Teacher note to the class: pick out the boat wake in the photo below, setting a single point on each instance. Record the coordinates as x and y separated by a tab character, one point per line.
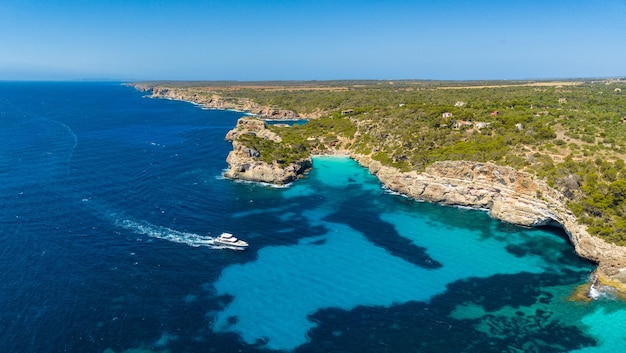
165	233
45	156
122	220
191	239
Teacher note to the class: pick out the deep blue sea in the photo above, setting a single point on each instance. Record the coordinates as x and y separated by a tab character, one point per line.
106	198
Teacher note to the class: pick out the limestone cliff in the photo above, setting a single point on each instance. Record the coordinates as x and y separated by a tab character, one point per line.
252	126
511	196
214	101
244	163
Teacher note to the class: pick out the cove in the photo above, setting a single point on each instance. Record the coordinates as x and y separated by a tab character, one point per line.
350	265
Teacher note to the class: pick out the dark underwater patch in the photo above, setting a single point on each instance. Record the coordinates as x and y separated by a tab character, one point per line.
364	217
497	291
430	327
551	248
298	226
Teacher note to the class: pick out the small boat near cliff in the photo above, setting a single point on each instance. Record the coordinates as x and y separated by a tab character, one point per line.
230	241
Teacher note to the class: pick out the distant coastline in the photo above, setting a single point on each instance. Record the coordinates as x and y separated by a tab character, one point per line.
215	101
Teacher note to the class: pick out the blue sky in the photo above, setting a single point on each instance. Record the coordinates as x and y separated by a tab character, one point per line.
311	40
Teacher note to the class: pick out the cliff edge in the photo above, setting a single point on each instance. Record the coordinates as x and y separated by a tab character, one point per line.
509	195
245	162
214	101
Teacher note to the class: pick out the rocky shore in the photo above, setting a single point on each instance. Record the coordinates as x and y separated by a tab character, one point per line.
244	162
508	195
214	101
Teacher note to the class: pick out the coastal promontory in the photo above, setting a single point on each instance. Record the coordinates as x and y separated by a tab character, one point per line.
247	162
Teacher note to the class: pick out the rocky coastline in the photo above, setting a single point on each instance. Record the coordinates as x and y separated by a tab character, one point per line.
244	162
215	101
508	195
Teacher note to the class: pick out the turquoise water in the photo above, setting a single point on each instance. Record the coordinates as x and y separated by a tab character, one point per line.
342	269
108	199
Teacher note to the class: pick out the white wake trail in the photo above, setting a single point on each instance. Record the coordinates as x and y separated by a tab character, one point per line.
165	233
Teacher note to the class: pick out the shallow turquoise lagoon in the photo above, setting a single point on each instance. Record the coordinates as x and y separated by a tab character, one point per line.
360	258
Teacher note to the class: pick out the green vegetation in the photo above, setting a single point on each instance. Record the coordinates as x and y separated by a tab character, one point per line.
270	151
319	134
572	134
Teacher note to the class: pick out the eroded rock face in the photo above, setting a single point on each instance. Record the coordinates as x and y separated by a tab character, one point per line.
215	101
244	162
244	167
254	126
511	196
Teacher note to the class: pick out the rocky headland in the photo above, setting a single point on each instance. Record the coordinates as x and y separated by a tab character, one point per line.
508	195
244	163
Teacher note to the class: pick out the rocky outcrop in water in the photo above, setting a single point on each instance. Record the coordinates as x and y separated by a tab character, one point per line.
509	195
244	163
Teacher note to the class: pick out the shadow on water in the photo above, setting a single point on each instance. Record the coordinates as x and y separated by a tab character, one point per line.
432	327
364	216
274	223
553	249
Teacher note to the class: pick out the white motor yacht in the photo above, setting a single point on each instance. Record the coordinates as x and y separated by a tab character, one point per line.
229	240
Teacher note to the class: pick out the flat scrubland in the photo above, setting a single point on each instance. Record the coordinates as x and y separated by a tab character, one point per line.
571	133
